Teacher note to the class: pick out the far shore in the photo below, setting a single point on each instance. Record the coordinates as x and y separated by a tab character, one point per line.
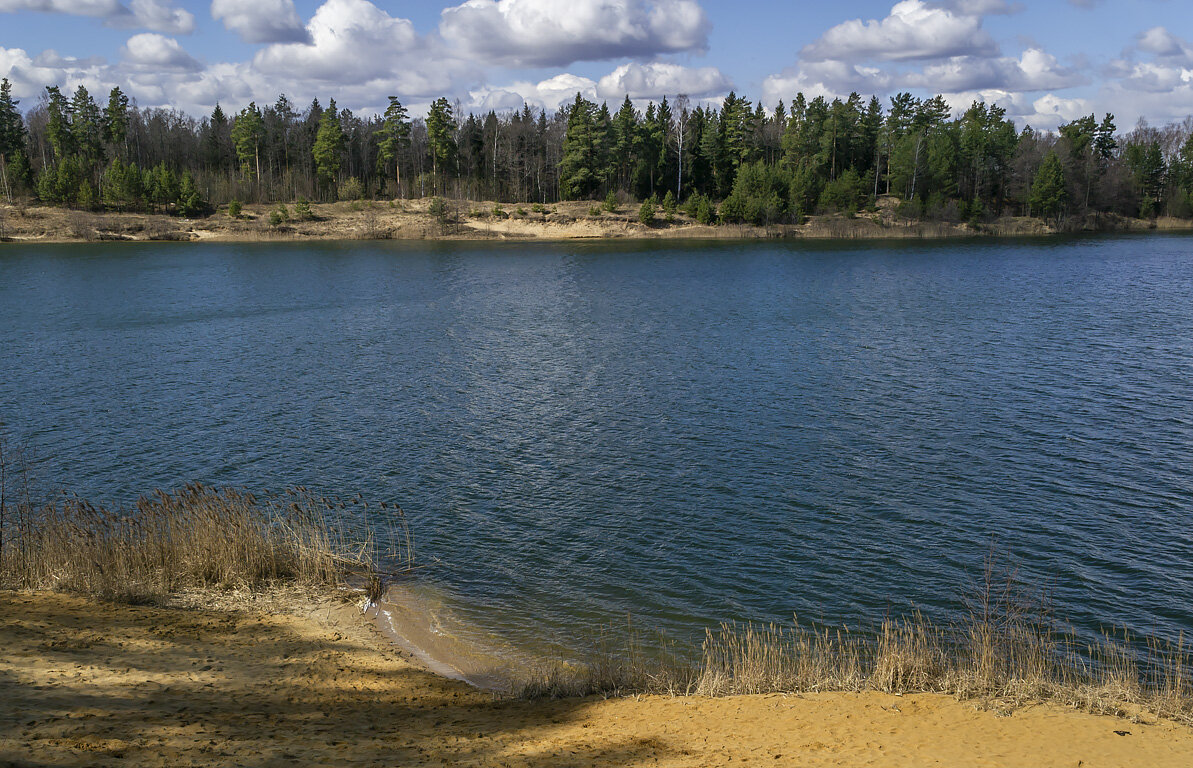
488	221
299	681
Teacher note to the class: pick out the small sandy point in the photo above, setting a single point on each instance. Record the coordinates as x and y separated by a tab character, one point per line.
91	684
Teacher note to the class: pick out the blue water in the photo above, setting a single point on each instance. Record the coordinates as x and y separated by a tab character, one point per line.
687	433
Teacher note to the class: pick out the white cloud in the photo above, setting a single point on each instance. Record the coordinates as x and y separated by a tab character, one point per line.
547	94
261	21
914	31
158	15
161	16
980	7
354	43
1166	46
658	79
560	32
1052	110
156	53
1034	70
97	8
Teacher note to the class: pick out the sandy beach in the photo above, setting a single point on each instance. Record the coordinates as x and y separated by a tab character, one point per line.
567	221
92	684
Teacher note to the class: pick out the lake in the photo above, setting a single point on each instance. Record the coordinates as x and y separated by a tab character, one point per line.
684	433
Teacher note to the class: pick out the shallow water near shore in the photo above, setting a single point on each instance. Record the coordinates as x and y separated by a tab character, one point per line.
677	433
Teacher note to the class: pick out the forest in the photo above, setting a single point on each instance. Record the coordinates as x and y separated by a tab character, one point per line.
737	163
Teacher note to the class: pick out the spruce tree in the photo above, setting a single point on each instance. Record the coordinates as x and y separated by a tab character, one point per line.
578	177
12	133
1048	189
115	122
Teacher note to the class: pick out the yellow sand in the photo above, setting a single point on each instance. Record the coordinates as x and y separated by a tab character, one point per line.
82	683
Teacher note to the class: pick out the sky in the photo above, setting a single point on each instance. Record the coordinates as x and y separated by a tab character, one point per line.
1045	61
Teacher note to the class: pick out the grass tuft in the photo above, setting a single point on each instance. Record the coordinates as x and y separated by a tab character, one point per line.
195	538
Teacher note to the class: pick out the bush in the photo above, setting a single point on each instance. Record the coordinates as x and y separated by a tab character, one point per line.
843	193
499	212
594	212
352	189
758	195
279	216
610	204
647	212
234	209
190	202
669	205
538	208
700	208
302	210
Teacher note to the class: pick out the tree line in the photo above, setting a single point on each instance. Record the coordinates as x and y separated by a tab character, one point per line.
735	163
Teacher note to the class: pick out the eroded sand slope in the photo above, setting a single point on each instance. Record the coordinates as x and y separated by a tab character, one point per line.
83	683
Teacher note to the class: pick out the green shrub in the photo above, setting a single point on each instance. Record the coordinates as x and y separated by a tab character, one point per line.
647	212
610	204
302	210
279	216
843	193
234	209
352	189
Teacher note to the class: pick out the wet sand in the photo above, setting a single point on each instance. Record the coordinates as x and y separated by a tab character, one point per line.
84	683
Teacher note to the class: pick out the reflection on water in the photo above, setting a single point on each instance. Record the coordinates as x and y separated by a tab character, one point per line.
687	433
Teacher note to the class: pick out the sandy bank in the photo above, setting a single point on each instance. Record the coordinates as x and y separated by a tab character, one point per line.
91	684
412	220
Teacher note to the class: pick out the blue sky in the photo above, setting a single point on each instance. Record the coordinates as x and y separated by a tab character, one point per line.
1045	61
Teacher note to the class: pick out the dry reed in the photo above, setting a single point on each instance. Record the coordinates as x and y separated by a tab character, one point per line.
198	538
1008	651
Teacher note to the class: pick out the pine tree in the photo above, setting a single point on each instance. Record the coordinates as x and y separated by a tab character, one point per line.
440	124
328	149
394	138
247	132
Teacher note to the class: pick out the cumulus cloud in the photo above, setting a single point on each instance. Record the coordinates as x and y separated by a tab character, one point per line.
261	21
546	94
658	79
1166	46
158	53
913	31
830	79
1034	70
355	42
158	15
560	32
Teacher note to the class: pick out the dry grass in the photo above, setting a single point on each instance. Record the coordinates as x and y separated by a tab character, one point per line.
197	538
1009	651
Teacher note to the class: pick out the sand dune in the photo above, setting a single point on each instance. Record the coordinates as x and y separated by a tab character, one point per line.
82	683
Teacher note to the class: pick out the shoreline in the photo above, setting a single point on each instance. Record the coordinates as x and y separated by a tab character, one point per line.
109	684
411	220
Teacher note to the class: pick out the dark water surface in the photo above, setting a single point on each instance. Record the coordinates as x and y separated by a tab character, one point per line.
685	432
